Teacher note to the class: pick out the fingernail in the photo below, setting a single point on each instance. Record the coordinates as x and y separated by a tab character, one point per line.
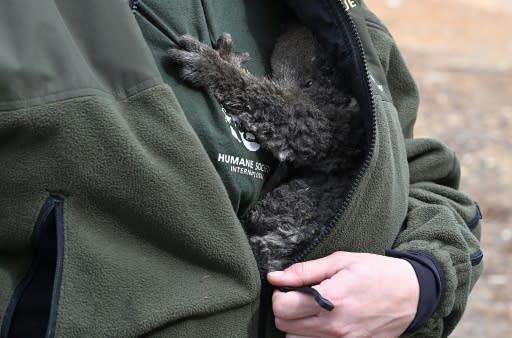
276	273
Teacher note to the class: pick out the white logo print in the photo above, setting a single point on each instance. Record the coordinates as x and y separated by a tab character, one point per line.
248	139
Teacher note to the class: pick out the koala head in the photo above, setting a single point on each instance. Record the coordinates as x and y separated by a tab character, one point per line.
294	57
301	65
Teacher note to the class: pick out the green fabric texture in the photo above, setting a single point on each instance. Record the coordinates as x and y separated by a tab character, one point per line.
152	242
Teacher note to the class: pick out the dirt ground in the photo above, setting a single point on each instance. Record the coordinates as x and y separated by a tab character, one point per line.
459	52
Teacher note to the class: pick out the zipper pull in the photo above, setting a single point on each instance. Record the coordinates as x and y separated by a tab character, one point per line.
323	302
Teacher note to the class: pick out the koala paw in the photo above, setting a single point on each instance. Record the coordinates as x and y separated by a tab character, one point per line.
201	64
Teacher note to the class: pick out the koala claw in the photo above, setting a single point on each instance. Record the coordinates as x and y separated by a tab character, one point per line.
225	50
225	45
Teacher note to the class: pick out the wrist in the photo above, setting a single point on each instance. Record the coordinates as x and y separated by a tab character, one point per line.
407	282
429	281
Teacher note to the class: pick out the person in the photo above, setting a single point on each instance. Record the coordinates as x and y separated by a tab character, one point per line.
122	187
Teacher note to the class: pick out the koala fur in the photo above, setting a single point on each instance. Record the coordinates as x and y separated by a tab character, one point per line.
305	116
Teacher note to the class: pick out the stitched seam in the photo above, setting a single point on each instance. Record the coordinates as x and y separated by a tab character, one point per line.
76	93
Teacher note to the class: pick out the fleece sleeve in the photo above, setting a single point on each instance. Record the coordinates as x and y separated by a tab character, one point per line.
442	222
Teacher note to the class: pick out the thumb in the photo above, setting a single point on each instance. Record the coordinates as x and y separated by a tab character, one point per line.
311	272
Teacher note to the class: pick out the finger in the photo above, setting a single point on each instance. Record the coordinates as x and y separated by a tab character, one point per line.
295	336
294	305
311	326
311	272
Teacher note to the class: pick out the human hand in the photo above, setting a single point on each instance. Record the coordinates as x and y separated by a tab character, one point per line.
374	296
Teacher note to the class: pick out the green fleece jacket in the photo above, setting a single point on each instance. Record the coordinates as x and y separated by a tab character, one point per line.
116	219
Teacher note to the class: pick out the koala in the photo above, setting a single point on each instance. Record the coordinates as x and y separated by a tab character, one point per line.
305	116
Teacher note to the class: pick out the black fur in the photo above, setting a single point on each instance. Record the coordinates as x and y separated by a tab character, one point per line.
304	115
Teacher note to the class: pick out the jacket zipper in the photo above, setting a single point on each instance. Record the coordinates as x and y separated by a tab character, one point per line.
343	18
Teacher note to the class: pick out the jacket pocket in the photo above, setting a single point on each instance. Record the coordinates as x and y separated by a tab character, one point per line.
32	309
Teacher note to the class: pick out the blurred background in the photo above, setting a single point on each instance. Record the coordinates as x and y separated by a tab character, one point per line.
460	53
